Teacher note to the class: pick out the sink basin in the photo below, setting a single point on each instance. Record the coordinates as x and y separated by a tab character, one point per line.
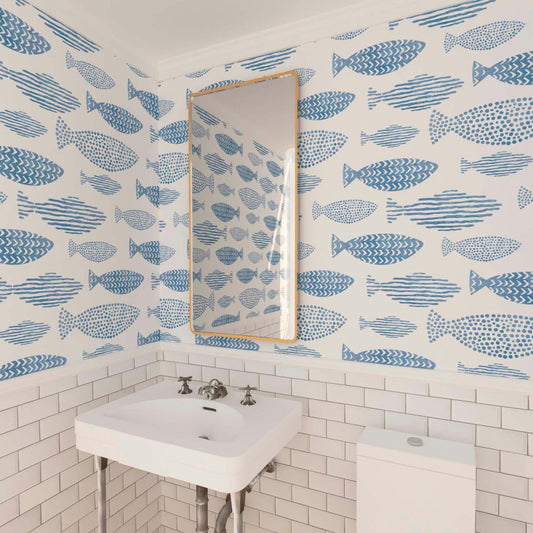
218	444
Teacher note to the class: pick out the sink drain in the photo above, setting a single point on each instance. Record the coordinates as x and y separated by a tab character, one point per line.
203	437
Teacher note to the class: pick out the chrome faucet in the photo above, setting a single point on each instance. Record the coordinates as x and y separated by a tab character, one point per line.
214	390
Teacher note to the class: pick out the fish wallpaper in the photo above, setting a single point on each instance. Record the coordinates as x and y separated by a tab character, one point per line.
415	191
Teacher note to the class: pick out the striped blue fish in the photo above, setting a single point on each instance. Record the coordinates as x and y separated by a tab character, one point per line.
27	168
497	165
116	281
323	283
196	205
94	251
224	320
272	308
19	36
447	211
297	349
389	326
274	169
228	255
274	257
101	183
251	297
226	301
304	250
267	276
515	70
200	182
416	94
391	136
135	218
316	146
348	35
252	314
200	304
261	239
217	279
173	133
102	350
304	75
484	37
226	342
315	322
175	280
263	150
385	356
483	249
246	173
178	219
198	73
92	74
171	313
198	255
166	336
117	117
252	218
268	61
151	338
344	211
208	233
525	197
307	183
224	189
22	124
137	71
206	117
228	144
225	212
199	131
170	167
267	185
217	164
245	275
30	365
251	198
322	106
494	369
414	290
23	333
156	196
20	247
151	103
255	159
513	286
255	257
271	222
153	251
239	233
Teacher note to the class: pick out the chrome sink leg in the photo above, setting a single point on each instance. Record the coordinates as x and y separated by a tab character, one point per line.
201	510
101	465
237	505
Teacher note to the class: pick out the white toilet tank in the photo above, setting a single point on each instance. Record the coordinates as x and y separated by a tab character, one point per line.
411	484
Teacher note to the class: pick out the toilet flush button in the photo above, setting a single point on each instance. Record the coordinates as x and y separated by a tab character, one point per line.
415	441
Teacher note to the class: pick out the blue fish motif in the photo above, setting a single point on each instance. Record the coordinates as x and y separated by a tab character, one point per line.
272	205
261	239
385	356
207	233
272	294
226	301
525	197
196	150
102	350
207	117
267	185
348	35
216	85
252	218
378	248
23	333
513	286
274	257
255	257
251	198
198	73
155	195
307	183
389	326
304	250
245	275
246	173
217	164
263	150
417	94
200	182
30	365
225	212
297	349
484	37
19	36
251	297
267	277
116	281
175	280
42	89
162	225
252	314
391	136
414	290
173	133
137	71
494	369
196	205
151	103
274	169
92	74
27	168
483	249
117	117
228	255
515	70
198	255
226	342
344	211
255	159
169	337
170	167
201	303
135	218
20	247
22	124
239	233
447	211
199	131
228	144
268	61
102	183
497	165
100	322
153	251
496	335
322	106
273	308
181	219
69	214
94	251
224	189
315	322
217	279
224	320
379	59
197	276
304	75
271	222
496	123
171	313
316	146
102	150
323	283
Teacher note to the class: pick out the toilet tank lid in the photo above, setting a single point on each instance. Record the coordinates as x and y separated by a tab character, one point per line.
437	455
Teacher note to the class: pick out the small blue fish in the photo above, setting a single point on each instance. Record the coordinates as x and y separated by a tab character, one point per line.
137	71
389	326
255	257
151	103
19	36
263	150
497	165
385	356
224	320
226	342
173	133
273	308
513	286
100	322
228	145
274	257
136	219
155	195
228	255
268	61
267	276
246	173
225	212
206	117
307	183
117	117
304	250
267	185
483	249
201	303
494	369
250	297
315	322
515	70
102	183
153	251
22	124
116	281
225	190
199	131
181	219
272	205
27	168
217	164
274	169
525	197
207	233
415	290
323	283
226	301
170	167
197	276
30	365
297	349
26	332
245	275
175	280
198	255
251	198
252	218
196	205
261	239
217	279
198	73
322	106
484	37
255	159
304	75
344	211
169	337
349	35
316	146
239	233
271	222
103	350
94	251
252	314
196	149
200	182
391	136
171	313
90	73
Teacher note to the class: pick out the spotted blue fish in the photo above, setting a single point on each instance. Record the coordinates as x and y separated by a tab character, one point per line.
228	255
217	279
137	71
94	251
116	281
246	173
385	356
391	136
447	211
208	233
307	183
497	165
304	75
513	286
69	214
30	365
198	255
389	326
497	123
102	350
261	239
206	117
250	297
267	276
42	89
19	36
344	211
117	117
239	233
153	251
226	301
200	304
323	283
297	349
483	249
22	124
252	218
23	333
497	335
92	74
255	257
494	369
251	198
151	103
217	164
178	219
515	70
27	168
226	342
525	197
225	212
315	322
171	313
274	169
228	144
271	222
200	182
175	280
173	133
304	250
101	183
224	320
246	275
415	290
484	37
155	194
348	35
224	189
255	159
170	167
316	146
321	106
417	94
135	218
199	131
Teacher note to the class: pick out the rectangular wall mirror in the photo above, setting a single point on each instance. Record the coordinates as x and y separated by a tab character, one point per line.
243	209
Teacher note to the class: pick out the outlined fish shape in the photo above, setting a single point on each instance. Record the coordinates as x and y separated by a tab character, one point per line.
153	251
228	144
178	219
198	73
252	218
19	36
297	349
226	301
27	168
391	136
389	326
198	255
224	189
224	320
497	335
315	322
175	280
323	283
156	196
239	233
102	350
151	103
200	182
226	342
344	211
304	250
208	233
485	249
217	279
386	356
200	304
246	173
100	322
102	183
102	150
274	257
245	275
316	146
515	70
525	197
321	106
272	308
251	198
22	124
135	218
174	133
225	212
94	251
484	37
307	183
255	159
170	167
379	59
217	164
494	369
196	205
229	255
23	333
92	74
262	149
513	286
497	165
171	313
117	117
30	365
250	297
116	281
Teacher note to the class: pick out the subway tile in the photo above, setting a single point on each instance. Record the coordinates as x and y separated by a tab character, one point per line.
428	406
518	419
505	484
363	416
308	461
387	400
516	509
345	394
488	523
201	359
309	389
134	376
170	369
230	363
291	510
18	438
9	465
298	527
47	388
505	398
327	410
487	502
186	370
501	439
314	426
24	523
299	442
38	494
475	413
274	487
516	464
58	463
326	483
272	522
289	371
417	425
57	423
88	376
19	483
327	447
487	459
259	367
331	522
38	452
8	420
452	392
118	367
242	379
32	411
80	509
326	374
145	359
9	510
343	432
290	474
275	384
340	468
341	506
16	398
410	386
450	430
310	497
371	381
76	473
350	490
103	387
176	357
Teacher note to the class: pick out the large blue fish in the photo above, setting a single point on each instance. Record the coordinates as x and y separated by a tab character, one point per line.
304	75
117	117
414	290
304	250
173	133
217	164
151	103
498	165
100	322
391	136
92	74
171	313
483	249
515	70
30	365
155	194
297	349
315	322
217	279
94	251
101	183
323	282
170	167
69	214
200	304
19	36
267	185
41	89
27	168
496	335
497	123
417	94
207	233
116	281
22	124
513	286
199	131
268	61
26	332
175	280
494	369
386	356
246	173
484	37
274	169
378	248
245	275
251	297
389	326
228	144
251	198
316	146
447	211
102	150
102	350
153	251
20	247
239	233
525	197
226	342
379	59
267	276
228	255
261	239
135	218
225	212
344	211
322	106
348	35
307	183
224	320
